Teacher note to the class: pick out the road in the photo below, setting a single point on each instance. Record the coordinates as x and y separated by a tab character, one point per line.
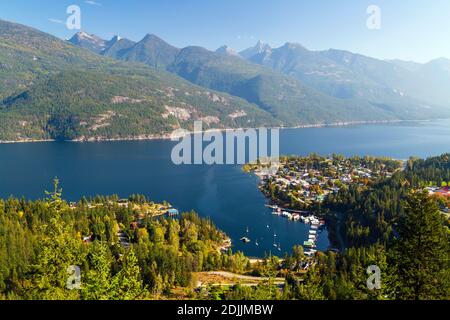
238	278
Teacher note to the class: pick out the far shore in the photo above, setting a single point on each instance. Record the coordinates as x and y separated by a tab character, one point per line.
167	136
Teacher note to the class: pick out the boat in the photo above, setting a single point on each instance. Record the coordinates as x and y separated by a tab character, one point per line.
245	240
256	243
310	252
309	244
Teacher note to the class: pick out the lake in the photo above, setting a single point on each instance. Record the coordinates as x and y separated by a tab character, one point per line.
224	193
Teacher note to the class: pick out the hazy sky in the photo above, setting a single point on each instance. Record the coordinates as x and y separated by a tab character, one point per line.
416	30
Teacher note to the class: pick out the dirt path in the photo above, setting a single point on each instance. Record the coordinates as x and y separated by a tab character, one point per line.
241	277
224	278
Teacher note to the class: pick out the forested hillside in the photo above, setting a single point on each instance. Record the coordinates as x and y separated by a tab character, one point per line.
291	99
369	215
128	249
53	90
123	251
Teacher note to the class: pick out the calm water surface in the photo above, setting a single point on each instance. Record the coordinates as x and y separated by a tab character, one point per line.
224	193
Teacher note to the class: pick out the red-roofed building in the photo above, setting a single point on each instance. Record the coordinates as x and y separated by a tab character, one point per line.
444	192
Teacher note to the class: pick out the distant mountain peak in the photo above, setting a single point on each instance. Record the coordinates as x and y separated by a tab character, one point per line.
442	64
226	50
116	38
154	40
88	41
262	46
79	36
441	61
152	37
259	48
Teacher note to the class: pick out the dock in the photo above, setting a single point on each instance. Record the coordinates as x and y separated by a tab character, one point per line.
306	218
287	210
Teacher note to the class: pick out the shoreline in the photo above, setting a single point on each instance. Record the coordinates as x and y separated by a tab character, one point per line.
167	136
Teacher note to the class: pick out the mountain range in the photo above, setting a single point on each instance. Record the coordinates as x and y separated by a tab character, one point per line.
292	82
89	88
51	89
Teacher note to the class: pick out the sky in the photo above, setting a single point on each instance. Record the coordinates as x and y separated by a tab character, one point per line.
413	30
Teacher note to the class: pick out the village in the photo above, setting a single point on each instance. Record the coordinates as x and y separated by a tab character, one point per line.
443	196
302	182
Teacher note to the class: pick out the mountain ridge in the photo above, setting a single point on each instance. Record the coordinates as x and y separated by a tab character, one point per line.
53	89
351	79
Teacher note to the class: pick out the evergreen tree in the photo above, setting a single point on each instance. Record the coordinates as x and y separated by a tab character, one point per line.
311	287
59	251
127	282
97	284
420	256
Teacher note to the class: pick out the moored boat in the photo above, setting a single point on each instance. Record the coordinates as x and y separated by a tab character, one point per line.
245	240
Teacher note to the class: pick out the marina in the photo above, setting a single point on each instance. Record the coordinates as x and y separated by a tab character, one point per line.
316	226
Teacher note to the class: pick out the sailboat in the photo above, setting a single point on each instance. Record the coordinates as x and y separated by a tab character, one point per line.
246	239
256	243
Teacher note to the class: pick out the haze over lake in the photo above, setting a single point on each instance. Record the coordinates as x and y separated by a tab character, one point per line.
224	193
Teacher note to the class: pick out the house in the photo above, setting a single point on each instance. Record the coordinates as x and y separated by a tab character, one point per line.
335	189
133	225
172	212
444	192
320	198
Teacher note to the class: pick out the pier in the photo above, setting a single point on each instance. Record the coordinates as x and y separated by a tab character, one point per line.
307	218
287	210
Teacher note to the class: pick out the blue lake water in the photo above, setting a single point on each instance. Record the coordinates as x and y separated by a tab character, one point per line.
224	193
